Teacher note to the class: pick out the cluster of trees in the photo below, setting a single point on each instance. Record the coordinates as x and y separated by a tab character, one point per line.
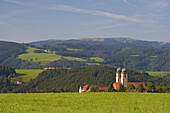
63	63
70	79
150	88
6	73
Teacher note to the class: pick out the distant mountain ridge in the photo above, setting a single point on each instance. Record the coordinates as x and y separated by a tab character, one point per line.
127	42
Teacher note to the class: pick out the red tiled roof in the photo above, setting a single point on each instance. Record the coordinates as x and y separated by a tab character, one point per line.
136	83
103	88
86	87
19	81
116	85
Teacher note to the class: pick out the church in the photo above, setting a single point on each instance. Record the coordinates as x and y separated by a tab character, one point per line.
121	78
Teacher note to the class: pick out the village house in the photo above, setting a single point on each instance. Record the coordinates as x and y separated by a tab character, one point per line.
121	78
19	82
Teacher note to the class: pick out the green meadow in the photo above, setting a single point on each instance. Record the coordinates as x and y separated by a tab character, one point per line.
154	56
44	58
157	73
85	103
26	74
135	55
71	49
97	59
90	64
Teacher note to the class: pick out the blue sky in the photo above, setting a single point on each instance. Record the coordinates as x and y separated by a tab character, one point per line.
33	20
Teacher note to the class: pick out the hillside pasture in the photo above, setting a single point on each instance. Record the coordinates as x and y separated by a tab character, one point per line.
135	55
71	49
26	74
158	73
85	103
97	59
93	64
44	58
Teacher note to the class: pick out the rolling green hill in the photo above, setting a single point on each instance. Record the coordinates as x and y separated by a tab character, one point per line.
44	58
87	52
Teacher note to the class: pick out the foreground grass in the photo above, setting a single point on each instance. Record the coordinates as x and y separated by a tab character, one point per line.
26	74
86	102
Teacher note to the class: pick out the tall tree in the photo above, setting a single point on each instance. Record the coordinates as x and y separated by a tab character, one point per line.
121	88
131	86
150	87
94	89
111	88
140	88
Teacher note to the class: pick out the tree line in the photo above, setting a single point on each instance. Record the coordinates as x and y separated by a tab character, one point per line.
69	80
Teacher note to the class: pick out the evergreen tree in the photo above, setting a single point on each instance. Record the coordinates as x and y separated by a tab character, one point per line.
111	88
140	88
94	89
121	88
150	87
159	89
131	86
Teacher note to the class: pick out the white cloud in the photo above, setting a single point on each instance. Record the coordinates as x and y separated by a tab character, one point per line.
161	4
128	3
96	12
15	1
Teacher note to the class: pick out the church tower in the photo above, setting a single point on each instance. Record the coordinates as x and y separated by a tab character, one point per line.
118	75
124	77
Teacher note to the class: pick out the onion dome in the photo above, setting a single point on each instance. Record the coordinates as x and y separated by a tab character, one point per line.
119	70
124	70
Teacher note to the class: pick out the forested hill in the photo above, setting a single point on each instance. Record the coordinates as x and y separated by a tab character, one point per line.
67	55
114	42
9	50
70	79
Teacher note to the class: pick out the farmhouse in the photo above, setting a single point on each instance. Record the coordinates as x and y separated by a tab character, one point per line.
19	82
86	88
121	78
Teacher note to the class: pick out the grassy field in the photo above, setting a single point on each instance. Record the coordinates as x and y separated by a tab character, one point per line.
97	59
157	73
85	103
90	64
44	58
26	74
71	49
135	55
154	56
